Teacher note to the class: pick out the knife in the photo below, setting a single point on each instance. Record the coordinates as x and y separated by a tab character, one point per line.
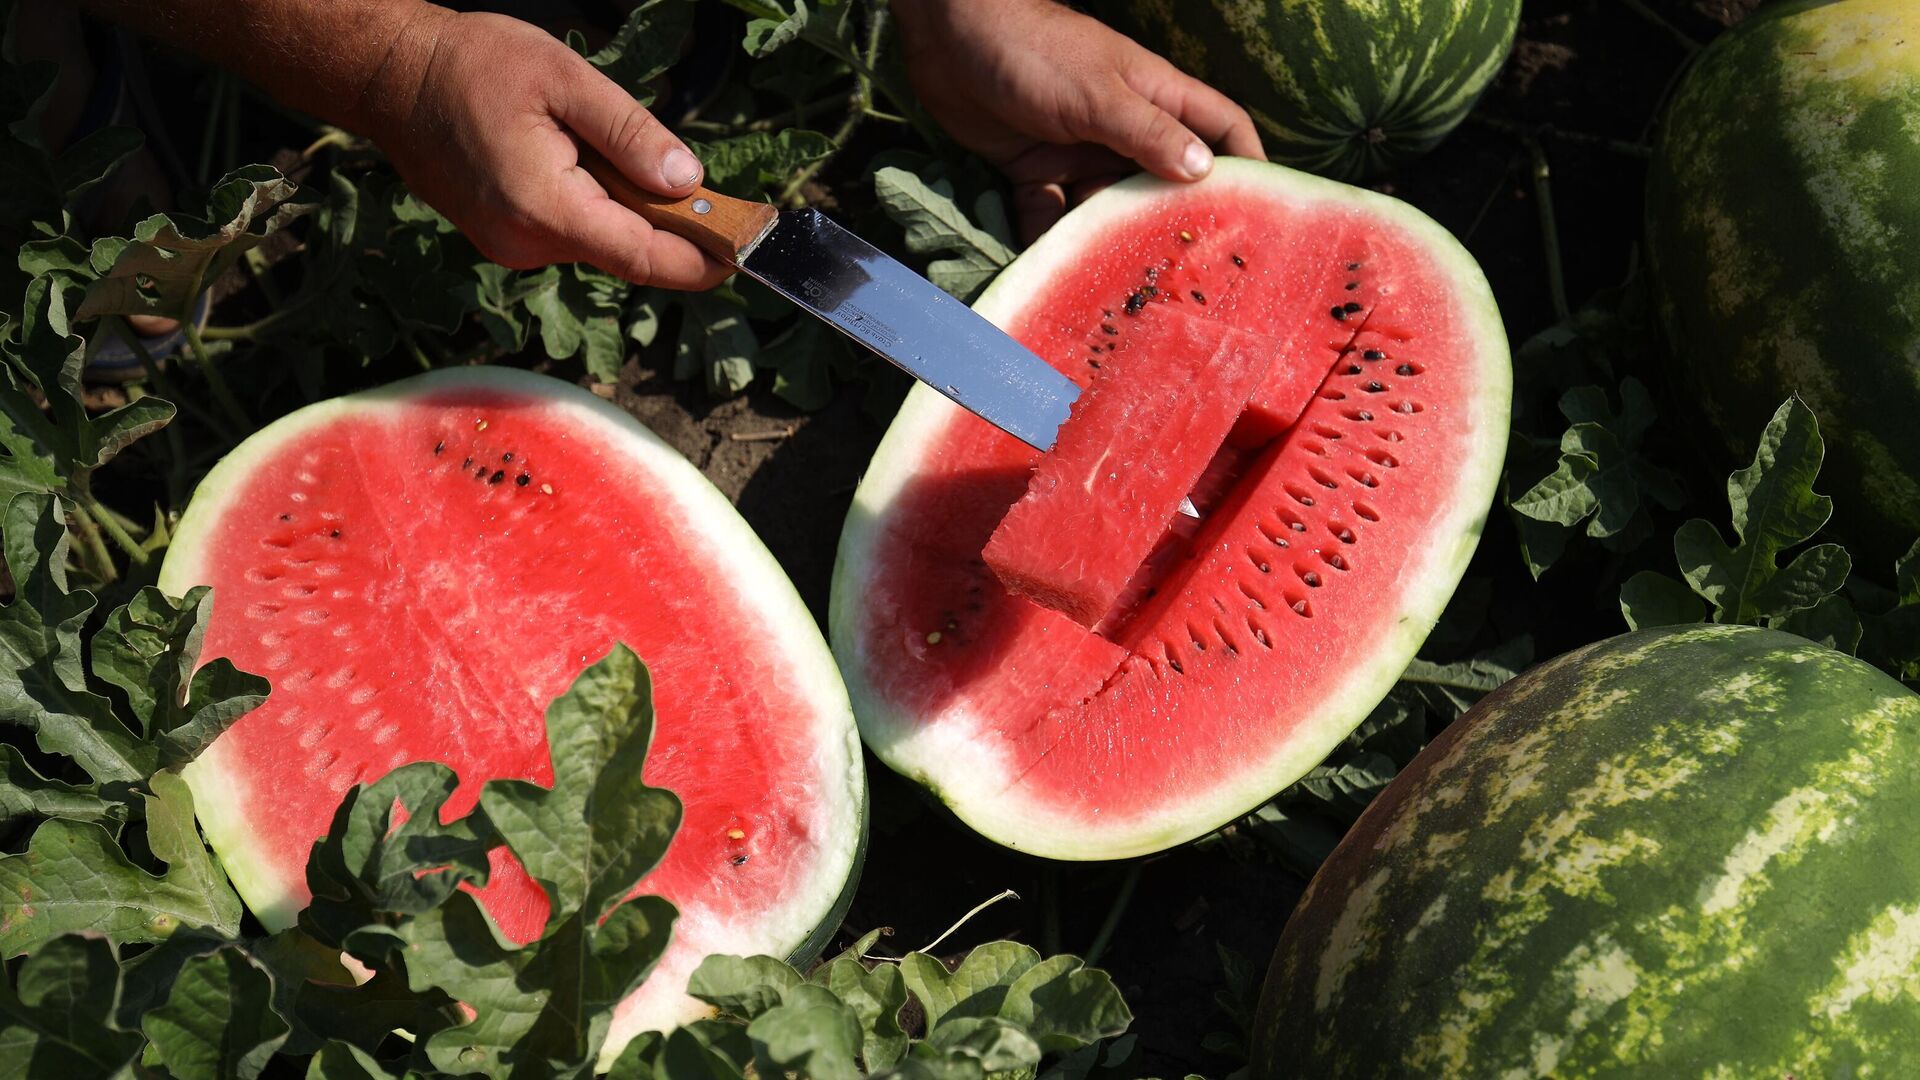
869	296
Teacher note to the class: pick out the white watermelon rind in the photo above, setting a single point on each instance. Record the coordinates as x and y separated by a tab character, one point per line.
811	911
965	772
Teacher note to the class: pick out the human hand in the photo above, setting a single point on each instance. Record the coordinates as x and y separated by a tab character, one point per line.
479	114
1062	104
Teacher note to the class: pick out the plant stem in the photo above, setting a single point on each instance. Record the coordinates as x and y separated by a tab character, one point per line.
1112	921
99	515
216	99
1549	230
96	549
222	394
1050	910
1641	9
176	450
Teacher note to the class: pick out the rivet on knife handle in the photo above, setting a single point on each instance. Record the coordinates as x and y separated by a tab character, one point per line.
725	227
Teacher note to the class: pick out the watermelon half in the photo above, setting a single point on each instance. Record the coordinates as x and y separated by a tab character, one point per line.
420	569
1250	643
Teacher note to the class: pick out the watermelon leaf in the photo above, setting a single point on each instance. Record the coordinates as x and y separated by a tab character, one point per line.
935	224
599	829
578	311
56	1014
74	877
173	256
644	47
148	649
26	793
217	1022
746	166
1650	598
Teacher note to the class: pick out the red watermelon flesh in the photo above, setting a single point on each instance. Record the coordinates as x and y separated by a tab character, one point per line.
420	570
1136	443
1260	635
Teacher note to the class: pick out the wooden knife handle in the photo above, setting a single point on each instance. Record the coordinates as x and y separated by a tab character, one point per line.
720	224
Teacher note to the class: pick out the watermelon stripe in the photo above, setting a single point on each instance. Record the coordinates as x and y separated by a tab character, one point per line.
1677	853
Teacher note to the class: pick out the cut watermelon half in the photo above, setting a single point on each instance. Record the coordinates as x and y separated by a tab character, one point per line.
420	569
1249	643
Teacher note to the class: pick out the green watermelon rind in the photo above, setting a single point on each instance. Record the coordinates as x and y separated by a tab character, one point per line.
814	908
1336	87
1684	851
967	778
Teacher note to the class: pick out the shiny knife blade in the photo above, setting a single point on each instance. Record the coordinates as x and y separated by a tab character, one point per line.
870	297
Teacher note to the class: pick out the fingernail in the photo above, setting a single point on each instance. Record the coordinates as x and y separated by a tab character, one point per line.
1198	161
680	168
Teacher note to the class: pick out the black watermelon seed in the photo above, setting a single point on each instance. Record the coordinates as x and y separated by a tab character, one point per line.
508	456
1299	526
1237	260
1105	313
1375	387
286	517
1403	369
464	462
1339	313
1373	354
739	860
1282	541
439	446
1352	285
1095	364
1353	266
1135	303
1306	500
1151	290
1312	579
1093	348
480	473
1198	298
498	475
1354	369
1352	307
523	479
1109	329
335	534
1365	415
1110	346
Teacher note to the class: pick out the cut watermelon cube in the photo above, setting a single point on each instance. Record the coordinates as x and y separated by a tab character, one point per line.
1137	441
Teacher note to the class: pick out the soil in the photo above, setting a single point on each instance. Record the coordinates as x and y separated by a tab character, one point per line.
1584	82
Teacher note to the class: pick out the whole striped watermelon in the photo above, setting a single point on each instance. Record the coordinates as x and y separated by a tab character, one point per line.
1685	852
1344	88
1783	213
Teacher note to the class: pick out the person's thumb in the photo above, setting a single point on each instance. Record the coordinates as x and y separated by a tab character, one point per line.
1136	128
605	117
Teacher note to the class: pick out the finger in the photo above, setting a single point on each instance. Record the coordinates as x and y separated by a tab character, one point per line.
1055	163
595	229
1136	128
1205	111
607	118
1036	206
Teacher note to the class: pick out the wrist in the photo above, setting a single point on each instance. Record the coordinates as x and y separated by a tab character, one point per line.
390	60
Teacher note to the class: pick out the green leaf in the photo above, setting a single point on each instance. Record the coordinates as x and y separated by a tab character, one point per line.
25	793
802	359
1831	622
978	987
764	36
997	1045
715	341
74	877
817	1038
876	997
743	986
344	1061
1774	509
1457	686
645	46
56	1015
383	842
747	165
217	1022
578	312
1654	599
1065	1005
935	224
600	828
149	649
43	686
173	256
